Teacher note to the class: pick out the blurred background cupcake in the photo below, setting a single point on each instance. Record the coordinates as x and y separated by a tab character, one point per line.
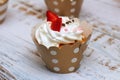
3	9
69	8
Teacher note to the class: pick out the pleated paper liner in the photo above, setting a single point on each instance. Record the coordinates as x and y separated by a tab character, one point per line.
64	59
3	10
69	8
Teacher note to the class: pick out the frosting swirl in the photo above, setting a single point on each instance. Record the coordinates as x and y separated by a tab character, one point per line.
70	31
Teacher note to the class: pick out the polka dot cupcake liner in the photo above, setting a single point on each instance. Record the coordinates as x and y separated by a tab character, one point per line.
3	9
65	59
72	9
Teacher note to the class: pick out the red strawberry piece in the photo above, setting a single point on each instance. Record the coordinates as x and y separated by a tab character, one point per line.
51	16
56	25
56	21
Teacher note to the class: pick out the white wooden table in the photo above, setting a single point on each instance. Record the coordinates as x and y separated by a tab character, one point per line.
19	59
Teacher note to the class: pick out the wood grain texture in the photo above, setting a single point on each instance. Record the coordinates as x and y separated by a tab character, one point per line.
19	59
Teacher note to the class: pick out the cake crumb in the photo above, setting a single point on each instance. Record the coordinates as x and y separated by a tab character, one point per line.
30	9
98	37
30	6
110	41
107	64
89	54
26	4
31	13
38	10
116	28
14	5
104	46
39	17
22	8
112	68
95	26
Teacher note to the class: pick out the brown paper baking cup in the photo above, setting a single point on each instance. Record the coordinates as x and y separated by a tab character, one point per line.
69	8
3	9
64	59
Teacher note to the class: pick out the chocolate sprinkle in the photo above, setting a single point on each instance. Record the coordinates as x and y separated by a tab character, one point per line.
67	22
63	24
73	20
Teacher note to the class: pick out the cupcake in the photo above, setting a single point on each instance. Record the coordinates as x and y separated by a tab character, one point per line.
61	42
3	9
72	9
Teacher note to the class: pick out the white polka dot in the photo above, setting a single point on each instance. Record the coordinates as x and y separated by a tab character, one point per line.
71	68
72	10
56	10
53	52
76	50
55	61
73	3
56	68
55	2
74	60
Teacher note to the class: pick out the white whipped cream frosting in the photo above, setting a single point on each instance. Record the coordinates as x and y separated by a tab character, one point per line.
68	33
